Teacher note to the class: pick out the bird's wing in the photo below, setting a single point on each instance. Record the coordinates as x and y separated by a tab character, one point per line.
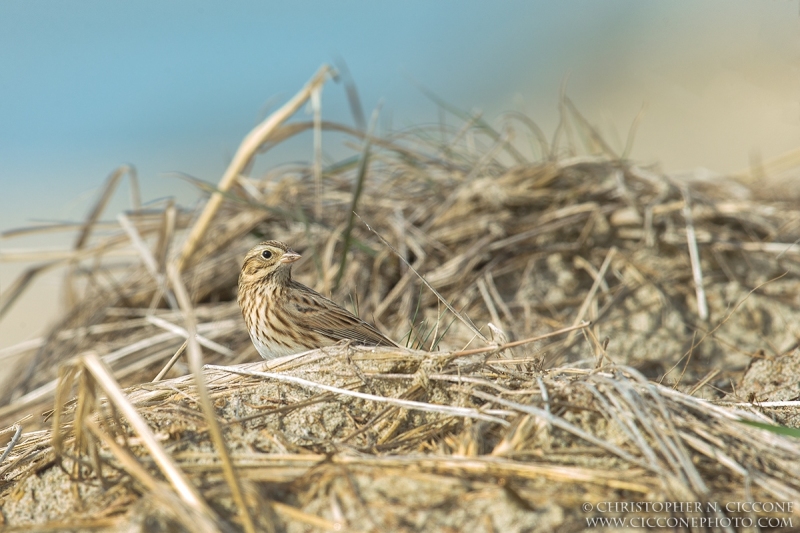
333	321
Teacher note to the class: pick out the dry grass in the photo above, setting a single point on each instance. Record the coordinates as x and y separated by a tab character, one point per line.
501	427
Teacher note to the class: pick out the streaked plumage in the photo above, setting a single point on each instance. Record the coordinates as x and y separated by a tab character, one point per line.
285	317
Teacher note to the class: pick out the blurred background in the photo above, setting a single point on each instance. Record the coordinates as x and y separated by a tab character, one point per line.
173	87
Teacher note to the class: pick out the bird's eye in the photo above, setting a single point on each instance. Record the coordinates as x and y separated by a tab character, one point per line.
266	254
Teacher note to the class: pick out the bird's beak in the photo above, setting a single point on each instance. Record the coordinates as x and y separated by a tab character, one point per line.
290	257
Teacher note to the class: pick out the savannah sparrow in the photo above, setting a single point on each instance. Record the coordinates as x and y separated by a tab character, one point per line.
286	317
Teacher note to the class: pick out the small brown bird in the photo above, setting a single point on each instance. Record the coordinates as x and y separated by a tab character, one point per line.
286	317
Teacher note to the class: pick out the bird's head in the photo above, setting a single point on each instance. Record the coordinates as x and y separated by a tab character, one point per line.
268	260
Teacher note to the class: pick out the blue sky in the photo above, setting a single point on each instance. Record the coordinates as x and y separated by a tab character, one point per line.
174	86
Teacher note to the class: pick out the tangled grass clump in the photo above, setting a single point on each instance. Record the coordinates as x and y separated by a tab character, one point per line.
574	324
